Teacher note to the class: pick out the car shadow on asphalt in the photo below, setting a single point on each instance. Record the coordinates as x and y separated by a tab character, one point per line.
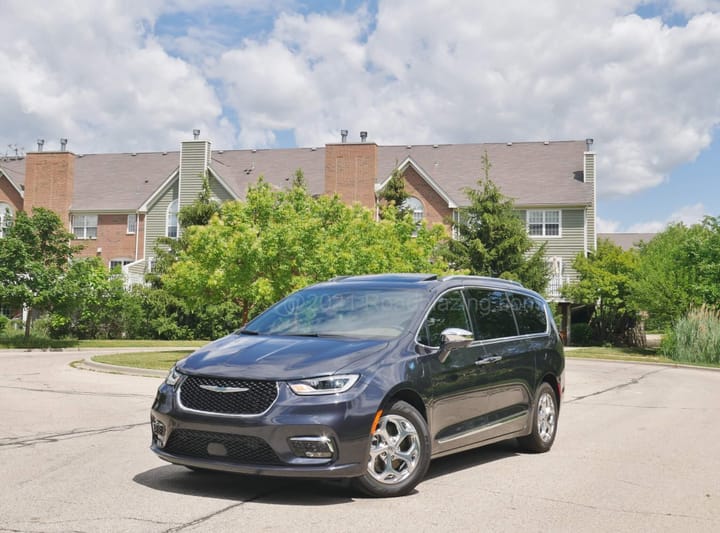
291	491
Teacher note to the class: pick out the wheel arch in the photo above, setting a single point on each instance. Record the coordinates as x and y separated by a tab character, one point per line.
406	394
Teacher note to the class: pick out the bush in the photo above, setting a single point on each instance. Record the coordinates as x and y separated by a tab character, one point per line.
581	334
35	341
694	338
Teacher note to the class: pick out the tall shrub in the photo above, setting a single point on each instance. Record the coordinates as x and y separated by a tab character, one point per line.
695	338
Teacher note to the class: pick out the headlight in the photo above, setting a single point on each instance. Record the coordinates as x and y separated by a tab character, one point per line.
173	377
323	385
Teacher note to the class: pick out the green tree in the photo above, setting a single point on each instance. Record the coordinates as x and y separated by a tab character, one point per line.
606	281
492	239
679	269
34	259
91	302
299	179
394	193
257	251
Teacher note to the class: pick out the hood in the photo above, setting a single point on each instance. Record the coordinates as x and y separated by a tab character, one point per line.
278	358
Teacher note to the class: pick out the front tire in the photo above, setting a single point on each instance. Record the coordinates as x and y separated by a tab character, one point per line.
544	421
399	453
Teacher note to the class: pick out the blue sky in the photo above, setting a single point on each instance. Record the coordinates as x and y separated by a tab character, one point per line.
637	76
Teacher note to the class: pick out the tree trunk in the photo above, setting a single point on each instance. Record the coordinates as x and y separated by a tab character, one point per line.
28	322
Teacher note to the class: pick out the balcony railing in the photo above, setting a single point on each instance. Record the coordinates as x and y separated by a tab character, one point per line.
554	290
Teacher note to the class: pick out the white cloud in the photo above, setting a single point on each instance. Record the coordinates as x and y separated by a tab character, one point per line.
607	226
421	71
92	74
688	215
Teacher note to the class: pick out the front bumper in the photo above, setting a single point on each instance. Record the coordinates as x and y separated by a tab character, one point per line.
211	440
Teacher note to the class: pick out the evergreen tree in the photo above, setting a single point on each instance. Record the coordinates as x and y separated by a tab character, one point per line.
394	194
491	240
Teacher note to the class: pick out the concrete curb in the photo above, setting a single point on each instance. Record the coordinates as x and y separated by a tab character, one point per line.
89	364
669	365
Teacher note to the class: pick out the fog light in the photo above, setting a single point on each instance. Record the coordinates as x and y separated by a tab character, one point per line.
313	447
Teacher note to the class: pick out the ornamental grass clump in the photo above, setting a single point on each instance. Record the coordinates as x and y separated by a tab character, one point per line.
695	338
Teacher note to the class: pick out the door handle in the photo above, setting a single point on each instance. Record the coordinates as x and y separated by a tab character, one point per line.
488	360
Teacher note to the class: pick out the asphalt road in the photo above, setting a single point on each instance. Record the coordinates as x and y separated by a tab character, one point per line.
638	449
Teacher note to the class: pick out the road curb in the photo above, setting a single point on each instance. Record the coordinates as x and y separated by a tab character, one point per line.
89	364
656	363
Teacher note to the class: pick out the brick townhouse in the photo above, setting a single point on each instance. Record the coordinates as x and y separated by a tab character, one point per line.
118	204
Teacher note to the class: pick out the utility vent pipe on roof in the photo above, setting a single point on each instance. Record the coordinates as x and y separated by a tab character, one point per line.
40	142
196	134
63	145
589	143
363	136
343	136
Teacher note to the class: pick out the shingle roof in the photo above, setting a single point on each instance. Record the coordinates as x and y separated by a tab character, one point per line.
626	241
14	169
532	173
122	182
240	168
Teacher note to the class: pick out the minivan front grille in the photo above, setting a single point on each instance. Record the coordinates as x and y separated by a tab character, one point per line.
227	396
241	449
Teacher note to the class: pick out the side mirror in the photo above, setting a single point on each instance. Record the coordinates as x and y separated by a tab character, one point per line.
452	339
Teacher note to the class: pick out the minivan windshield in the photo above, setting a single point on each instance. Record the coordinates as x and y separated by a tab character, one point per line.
343	310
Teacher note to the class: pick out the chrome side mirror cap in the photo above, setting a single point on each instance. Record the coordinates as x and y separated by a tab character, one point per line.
452	339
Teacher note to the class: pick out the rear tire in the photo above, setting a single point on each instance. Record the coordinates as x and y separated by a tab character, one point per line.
544	421
399	453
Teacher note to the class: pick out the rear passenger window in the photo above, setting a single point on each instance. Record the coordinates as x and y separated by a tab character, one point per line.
490	313
448	312
529	313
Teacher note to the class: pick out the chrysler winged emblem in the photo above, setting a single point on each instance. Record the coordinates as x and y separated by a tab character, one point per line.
216	388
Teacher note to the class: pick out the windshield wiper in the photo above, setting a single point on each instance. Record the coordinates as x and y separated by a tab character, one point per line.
244	331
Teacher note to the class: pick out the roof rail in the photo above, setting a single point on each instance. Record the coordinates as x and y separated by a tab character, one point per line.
482	278
389	277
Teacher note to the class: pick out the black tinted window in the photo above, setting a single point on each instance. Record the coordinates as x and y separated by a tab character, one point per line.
530	314
491	314
448	312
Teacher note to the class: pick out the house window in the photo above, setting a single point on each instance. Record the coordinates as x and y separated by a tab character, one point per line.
5	218
543	223
119	263
85	226
416	207
131	223
171	220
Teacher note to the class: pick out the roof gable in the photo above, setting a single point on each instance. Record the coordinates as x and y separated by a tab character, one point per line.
402	167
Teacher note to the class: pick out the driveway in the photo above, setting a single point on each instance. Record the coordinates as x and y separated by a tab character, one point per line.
637	450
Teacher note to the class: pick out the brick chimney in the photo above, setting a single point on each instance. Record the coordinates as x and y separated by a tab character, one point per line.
49	180
350	172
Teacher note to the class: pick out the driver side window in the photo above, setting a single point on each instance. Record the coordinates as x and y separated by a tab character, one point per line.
448	312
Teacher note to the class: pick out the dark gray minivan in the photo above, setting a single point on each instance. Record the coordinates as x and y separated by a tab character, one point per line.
369	378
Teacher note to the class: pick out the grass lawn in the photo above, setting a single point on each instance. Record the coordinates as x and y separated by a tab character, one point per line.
616	354
150	360
627	354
